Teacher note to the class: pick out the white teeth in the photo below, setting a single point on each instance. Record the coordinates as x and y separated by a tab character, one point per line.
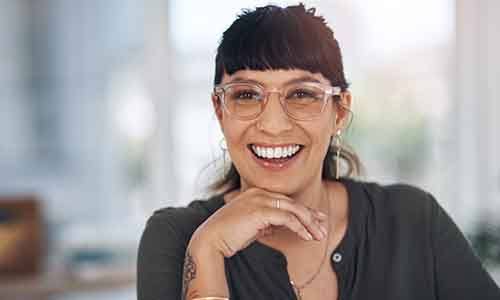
270	153
275	152
278	152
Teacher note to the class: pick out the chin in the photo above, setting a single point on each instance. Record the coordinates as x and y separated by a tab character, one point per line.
278	185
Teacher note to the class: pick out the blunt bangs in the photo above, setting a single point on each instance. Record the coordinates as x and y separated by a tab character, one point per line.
272	38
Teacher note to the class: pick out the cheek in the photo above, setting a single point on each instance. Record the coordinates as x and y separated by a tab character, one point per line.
321	136
234	134
321	132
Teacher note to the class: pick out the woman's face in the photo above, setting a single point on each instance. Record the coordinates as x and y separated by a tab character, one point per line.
274	129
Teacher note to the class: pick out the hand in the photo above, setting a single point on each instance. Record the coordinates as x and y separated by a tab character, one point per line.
252	214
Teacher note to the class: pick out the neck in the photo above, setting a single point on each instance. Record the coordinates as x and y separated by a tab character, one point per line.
314	195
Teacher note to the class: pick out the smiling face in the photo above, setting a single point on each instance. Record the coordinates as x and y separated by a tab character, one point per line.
273	133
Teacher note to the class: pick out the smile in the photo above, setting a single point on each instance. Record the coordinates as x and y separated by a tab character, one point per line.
275	158
275	152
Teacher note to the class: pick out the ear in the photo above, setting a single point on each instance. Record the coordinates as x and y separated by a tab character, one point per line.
217	105
343	110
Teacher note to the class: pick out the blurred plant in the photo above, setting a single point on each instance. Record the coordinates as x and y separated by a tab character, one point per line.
485	241
394	132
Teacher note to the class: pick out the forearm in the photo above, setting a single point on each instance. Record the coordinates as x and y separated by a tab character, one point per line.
204	273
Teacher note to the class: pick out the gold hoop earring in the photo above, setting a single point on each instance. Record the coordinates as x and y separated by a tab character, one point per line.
337	138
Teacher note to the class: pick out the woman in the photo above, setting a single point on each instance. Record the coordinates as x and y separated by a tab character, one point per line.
285	225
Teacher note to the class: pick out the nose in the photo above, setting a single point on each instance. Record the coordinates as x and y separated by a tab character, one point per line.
274	119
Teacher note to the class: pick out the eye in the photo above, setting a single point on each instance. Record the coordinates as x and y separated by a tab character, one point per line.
242	95
303	94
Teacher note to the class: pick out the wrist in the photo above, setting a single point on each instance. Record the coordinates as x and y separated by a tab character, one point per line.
202	245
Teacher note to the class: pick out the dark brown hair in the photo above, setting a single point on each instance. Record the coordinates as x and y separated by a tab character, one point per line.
293	37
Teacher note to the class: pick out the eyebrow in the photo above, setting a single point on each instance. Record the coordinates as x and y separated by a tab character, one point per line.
306	78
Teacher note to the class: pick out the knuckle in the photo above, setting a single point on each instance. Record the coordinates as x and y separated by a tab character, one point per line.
309	220
294	226
259	213
310	213
252	189
301	227
304	213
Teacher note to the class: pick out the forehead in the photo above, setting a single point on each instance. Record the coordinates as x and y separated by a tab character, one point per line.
274	77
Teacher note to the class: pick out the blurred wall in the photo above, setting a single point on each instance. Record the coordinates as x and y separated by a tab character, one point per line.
105	110
476	179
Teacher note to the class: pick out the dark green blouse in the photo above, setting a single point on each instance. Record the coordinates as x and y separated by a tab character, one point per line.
399	244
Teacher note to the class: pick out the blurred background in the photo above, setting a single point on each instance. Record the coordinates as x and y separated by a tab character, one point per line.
105	116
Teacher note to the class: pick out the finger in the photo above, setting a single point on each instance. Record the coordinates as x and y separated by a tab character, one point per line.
266	231
292	222
279	217
305	215
320	215
316	213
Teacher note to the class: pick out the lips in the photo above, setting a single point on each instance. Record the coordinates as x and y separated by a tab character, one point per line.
271	163
284	156
275	145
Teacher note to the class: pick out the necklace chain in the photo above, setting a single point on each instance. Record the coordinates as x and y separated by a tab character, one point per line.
298	288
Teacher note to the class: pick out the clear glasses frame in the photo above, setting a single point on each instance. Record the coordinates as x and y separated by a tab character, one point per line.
329	91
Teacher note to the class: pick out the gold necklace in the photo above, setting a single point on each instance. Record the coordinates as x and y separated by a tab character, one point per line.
298	288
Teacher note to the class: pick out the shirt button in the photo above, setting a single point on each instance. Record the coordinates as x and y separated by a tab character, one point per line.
337	257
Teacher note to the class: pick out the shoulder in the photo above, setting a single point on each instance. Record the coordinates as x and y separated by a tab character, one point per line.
398	194
185	219
400	202
162	247
180	222
398	215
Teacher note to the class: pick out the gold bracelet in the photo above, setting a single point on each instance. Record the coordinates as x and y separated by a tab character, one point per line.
211	298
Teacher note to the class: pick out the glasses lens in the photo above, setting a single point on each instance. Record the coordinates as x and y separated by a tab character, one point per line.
304	101
243	100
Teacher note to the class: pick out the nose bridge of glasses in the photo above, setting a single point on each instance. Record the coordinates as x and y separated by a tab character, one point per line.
273	90
279	93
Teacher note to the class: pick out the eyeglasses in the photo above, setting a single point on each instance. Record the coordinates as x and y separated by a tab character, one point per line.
301	101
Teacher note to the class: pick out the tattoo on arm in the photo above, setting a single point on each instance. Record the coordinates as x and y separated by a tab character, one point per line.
188	274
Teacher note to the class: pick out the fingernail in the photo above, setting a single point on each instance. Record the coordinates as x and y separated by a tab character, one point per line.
323	229
320	214
309	236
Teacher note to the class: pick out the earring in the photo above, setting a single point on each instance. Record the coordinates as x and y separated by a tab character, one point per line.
223	147
337	138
